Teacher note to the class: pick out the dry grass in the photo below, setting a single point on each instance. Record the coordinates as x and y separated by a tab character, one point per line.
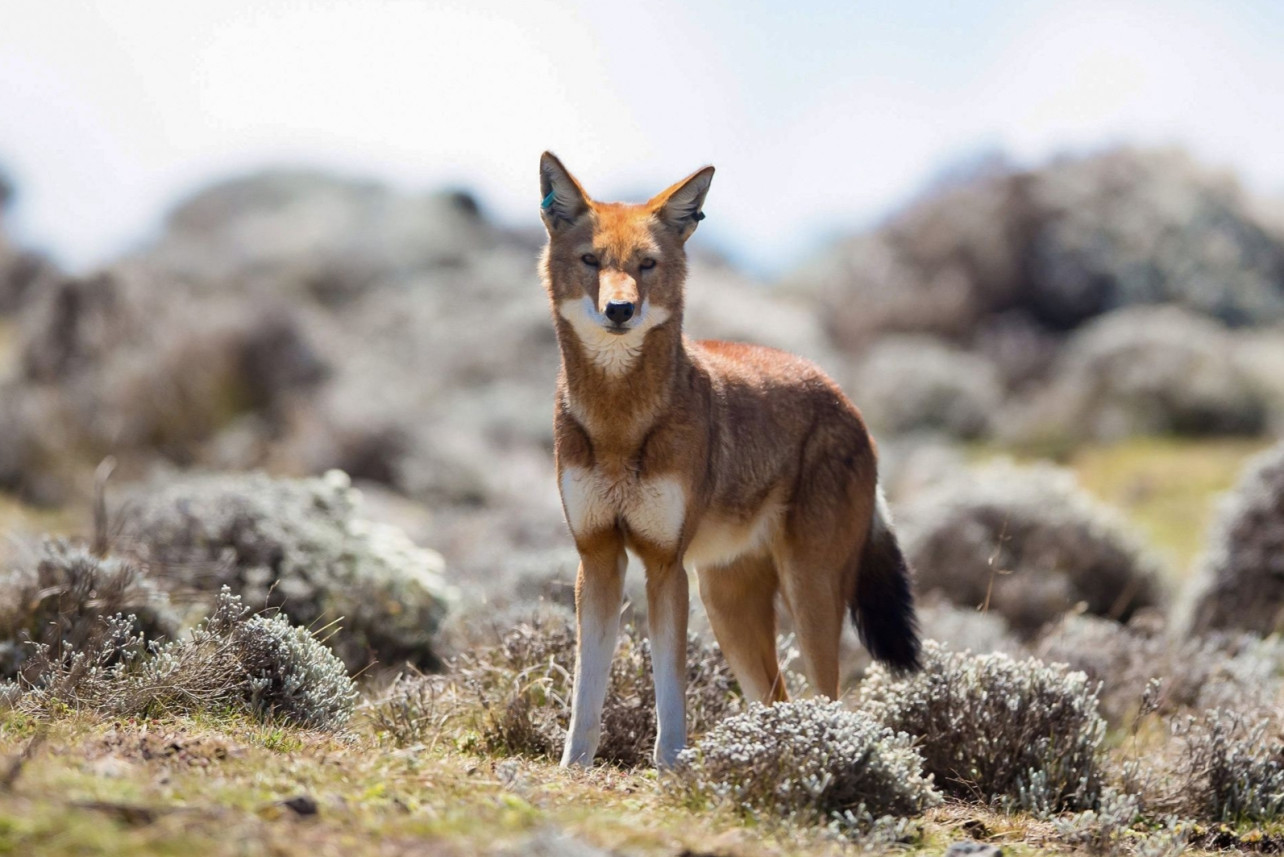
513	696
233	660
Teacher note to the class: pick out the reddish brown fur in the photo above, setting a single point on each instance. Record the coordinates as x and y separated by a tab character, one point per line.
741	428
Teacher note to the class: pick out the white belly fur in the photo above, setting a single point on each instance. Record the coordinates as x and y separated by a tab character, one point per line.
652	509
655	510
720	541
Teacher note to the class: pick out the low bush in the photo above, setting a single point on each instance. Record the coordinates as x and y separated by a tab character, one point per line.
515	696
993	727
233	659
808	761
1100	830
298	545
1026	543
1143	370
1131	662
60	599
1229	768
922	384
965	628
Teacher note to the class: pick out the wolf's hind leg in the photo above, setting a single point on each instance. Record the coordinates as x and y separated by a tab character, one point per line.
740	600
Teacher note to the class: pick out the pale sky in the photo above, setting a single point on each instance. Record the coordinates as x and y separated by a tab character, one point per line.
819	118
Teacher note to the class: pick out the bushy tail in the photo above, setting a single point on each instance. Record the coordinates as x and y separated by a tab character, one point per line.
883	606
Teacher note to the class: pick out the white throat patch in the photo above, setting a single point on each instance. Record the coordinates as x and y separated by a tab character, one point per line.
613	353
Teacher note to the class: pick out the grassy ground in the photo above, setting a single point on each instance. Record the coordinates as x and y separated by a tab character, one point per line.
184	787
1167	488
226	786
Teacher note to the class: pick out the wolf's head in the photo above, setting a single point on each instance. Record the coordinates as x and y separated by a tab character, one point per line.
615	270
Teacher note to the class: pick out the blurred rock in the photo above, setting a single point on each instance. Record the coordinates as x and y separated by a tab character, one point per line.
1057	246
1242	585
917	383
1143	370
1027	544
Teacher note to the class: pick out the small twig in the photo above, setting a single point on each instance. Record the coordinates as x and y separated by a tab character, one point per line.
989	587
102	535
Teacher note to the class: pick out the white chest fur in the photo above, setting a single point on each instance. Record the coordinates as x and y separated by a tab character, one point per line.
656	509
652	509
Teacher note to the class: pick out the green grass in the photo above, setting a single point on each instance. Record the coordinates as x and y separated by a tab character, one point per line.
181	786
219	786
1166	487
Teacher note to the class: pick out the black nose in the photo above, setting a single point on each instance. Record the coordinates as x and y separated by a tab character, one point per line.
619	311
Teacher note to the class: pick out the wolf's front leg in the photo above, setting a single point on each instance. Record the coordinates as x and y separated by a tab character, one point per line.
599	593
667	609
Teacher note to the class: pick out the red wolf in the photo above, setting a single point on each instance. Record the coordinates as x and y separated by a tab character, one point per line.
746	463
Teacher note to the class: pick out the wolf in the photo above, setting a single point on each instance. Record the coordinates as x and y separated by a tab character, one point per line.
747	464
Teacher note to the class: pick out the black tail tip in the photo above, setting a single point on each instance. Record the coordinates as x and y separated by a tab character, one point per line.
900	651
883	605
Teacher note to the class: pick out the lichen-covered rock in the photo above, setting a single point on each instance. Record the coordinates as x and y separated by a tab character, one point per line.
1025	543
808	761
299	545
991	726
1243	571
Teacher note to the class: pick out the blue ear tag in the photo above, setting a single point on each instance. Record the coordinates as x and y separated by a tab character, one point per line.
698	216
548	200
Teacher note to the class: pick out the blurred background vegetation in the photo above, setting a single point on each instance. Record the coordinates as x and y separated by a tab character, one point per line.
261	252
270	321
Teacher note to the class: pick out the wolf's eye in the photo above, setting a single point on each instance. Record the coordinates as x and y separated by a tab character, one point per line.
589	259
647	264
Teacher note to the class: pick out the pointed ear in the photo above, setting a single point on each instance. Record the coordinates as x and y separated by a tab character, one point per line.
562	200
680	207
